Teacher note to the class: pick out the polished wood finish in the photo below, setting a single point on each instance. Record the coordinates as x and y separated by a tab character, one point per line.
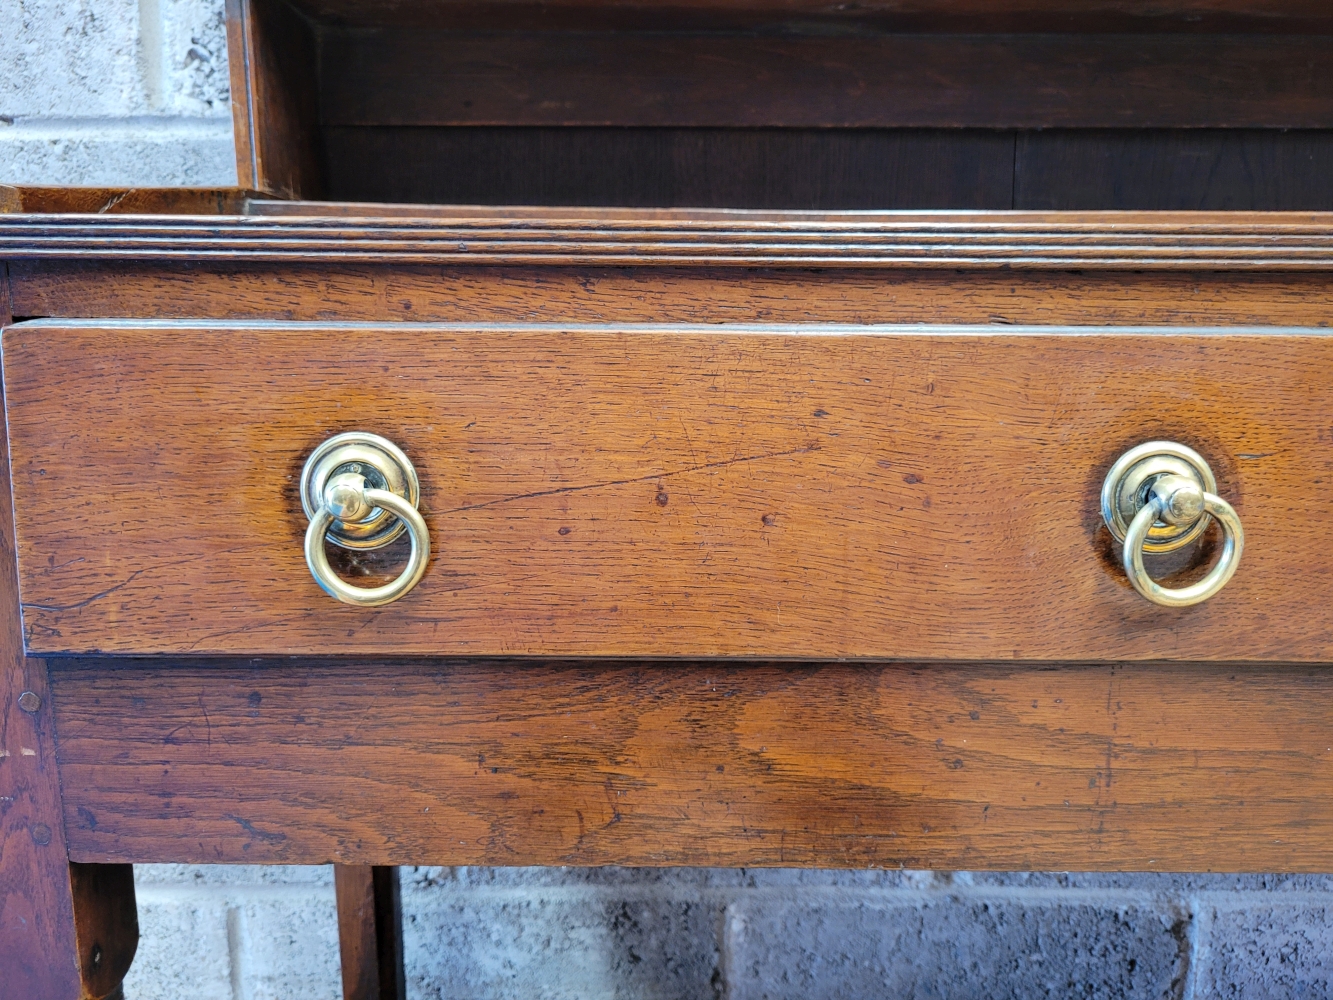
122	201
1171	767
416	77
106	925
1259	241
272	55
702	105
662	494
806	492
725	168
38	948
887	15
370	932
376	293
1221	170
825	169
66	930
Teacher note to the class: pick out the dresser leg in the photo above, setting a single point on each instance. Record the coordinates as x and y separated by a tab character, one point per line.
67	931
106	925
370	932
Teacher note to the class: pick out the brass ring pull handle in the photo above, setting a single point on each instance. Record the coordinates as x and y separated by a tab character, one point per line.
1161	496
361	492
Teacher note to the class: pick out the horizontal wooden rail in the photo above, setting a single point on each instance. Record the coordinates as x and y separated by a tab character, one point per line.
839	80
1167	767
1094	240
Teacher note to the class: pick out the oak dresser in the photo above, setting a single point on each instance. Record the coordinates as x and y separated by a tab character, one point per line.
893	434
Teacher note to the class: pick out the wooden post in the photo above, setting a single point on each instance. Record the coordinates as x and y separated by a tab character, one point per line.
66	931
370	932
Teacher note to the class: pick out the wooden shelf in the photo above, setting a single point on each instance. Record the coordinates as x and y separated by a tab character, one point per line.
884	15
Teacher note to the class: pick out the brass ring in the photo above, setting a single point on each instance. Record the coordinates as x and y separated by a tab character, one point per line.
1232	546
369	597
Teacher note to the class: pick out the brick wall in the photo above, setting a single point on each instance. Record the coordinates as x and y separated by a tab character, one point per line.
119	92
114	92
248	933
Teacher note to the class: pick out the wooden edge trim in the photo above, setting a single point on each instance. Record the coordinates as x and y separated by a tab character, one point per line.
242	92
1208	242
39	200
6	299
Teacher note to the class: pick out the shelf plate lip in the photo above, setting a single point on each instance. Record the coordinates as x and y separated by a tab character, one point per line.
335	233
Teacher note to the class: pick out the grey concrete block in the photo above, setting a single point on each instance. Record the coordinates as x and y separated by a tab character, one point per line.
139	152
71	58
235	932
148	877
1256	948
1162	883
183	947
191	77
92	59
939	945
115	94
548	944
667	878
286	945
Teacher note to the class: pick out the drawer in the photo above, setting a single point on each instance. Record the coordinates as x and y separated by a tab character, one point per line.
812	491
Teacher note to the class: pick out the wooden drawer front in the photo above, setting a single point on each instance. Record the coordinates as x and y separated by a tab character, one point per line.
808	492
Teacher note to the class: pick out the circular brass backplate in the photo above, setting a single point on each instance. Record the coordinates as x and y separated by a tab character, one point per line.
1124	491
384	467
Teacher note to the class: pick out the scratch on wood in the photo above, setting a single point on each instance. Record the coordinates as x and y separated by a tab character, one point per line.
636	479
115	200
87	600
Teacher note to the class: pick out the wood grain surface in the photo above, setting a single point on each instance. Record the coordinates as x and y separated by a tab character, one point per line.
106	926
67	932
371	293
698	167
1170	767
370	932
822	169
272	61
890	15
1282	242
825	79
123	201
1191	169
809	492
